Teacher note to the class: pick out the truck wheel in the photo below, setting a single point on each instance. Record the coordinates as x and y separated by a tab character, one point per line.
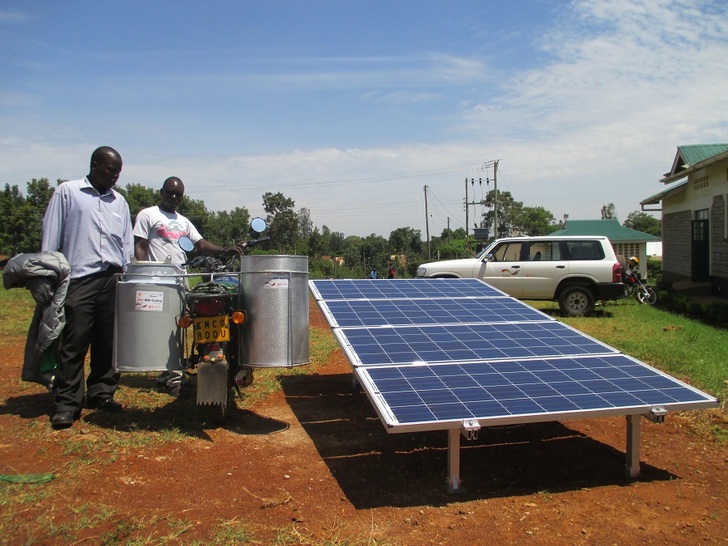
576	301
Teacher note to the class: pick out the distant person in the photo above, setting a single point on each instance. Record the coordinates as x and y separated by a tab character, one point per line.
90	224
157	231
390	271
373	273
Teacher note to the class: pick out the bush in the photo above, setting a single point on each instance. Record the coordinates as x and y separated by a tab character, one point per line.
713	313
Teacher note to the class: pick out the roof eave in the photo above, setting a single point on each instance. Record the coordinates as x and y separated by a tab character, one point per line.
669	178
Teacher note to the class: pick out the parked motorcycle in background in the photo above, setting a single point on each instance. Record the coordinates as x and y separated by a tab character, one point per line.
212	325
634	285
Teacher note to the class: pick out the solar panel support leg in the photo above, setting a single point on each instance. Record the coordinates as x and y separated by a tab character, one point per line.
632	466
453	461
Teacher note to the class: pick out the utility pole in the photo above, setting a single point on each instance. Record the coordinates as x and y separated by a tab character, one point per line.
467	239
483	167
495	198
427	226
468	204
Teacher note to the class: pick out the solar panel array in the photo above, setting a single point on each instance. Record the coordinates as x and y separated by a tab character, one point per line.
433	353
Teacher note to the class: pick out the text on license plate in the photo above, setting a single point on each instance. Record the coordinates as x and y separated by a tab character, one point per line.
209	329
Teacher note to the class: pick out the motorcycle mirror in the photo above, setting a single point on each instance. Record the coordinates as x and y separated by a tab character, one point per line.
258	225
186	243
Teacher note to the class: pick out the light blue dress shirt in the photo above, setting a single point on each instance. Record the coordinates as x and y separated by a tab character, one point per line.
92	230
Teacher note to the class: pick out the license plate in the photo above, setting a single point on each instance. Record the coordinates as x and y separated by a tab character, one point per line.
210	329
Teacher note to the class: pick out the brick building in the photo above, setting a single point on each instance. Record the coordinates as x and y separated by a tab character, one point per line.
694	220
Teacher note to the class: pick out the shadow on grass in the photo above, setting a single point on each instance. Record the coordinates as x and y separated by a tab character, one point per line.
377	469
148	410
600	312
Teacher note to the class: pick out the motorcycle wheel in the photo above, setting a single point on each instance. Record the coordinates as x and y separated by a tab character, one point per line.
647	295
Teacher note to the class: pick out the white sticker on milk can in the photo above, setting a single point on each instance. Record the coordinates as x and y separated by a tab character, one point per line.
276	280
147	300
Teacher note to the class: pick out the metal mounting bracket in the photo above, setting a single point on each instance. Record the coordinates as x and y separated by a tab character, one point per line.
657	414
470	429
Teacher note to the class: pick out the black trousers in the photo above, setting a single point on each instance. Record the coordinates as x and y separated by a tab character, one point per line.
89	311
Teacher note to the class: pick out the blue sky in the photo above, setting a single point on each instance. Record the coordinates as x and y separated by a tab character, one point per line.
351	108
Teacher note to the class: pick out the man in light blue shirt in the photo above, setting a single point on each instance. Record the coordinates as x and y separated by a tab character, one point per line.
90	223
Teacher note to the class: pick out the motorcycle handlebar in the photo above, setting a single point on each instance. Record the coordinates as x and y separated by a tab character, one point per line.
215	264
256	241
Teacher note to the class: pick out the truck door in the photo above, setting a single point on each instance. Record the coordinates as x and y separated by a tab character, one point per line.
542	269
504	269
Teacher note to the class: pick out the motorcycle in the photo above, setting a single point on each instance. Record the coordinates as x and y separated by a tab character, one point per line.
633	284
212	329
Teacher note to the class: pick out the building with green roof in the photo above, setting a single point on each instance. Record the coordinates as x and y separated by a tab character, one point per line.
695	216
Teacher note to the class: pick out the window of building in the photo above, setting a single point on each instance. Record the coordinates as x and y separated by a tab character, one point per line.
700	182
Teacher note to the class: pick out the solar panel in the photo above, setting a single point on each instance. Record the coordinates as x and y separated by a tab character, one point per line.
369	289
523	390
458	354
397	312
408	345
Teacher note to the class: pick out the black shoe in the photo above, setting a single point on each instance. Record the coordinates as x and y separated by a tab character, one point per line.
63	419
179	389
105	404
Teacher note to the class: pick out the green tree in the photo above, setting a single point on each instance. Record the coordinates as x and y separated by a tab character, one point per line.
12	211
227	228
336	241
196	211
509	211
641	221
609	212
535	221
449	250
139	197
22	217
406	244
283	227
38	195
315	244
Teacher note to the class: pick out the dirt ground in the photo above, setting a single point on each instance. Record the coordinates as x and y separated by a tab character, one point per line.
311	463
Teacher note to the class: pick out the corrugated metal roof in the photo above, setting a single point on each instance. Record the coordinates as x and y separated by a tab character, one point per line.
654	199
609	228
693	154
690	155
